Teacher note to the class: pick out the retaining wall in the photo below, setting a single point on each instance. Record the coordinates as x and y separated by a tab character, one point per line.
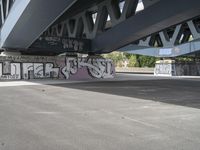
177	69
42	67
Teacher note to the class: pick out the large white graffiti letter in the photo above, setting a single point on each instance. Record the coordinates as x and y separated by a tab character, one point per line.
1	69
92	68
14	71
38	70
70	68
28	70
50	71
108	73
33	70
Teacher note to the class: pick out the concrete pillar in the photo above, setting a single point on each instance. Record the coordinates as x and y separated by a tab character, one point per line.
165	67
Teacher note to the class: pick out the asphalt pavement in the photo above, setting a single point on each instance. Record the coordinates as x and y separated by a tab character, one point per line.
130	112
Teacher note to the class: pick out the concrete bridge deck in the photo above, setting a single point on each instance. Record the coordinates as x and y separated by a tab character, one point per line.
129	112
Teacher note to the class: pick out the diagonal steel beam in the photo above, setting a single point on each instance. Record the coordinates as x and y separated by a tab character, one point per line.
163	14
25	23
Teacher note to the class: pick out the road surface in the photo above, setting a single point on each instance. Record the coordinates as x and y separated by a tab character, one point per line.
130	112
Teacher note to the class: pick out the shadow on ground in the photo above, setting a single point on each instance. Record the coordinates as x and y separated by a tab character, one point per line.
178	92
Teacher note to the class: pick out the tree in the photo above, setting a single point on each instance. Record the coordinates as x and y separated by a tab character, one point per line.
134	60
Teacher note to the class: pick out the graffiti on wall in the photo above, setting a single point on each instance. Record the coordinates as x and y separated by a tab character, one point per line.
164	69
60	68
39	70
10	70
62	44
97	68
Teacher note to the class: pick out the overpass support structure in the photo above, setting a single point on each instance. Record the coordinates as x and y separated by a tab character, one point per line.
49	27
178	40
112	24
108	24
26	20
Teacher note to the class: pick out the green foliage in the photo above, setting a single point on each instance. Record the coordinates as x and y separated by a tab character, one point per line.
133	60
185	59
145	61
116	57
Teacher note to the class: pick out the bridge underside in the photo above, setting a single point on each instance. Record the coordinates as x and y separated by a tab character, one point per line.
100	26
190	48
27	20
182	39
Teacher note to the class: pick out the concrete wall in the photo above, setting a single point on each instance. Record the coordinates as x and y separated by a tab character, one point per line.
39	67
188	69
177	69
144	70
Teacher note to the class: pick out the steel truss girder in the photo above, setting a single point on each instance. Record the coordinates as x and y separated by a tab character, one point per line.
83	25
179	35
183	39
125	26
150	21
192	47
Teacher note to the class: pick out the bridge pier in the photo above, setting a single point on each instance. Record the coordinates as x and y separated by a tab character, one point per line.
21	67
172	67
